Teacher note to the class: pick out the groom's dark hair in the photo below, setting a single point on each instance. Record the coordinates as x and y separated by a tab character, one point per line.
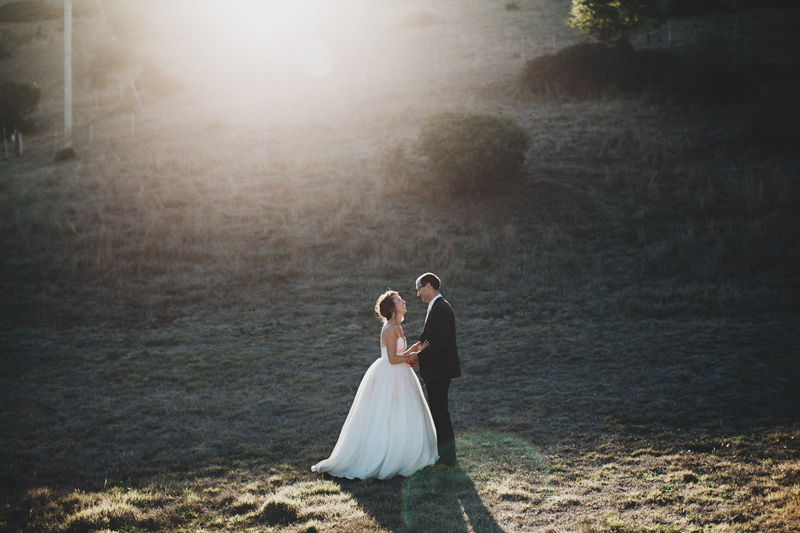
431	278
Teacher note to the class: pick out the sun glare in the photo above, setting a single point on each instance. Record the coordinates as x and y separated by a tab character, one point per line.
316	57
258	22
273	50
262	34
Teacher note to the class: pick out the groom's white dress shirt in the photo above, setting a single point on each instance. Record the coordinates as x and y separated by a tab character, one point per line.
430	305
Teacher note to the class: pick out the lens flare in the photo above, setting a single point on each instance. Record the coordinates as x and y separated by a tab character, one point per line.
488	462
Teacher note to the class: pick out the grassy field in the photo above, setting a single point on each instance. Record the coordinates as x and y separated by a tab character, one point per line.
187	305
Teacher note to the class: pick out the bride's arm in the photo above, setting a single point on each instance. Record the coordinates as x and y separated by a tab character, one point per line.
389	337
416	347
411	353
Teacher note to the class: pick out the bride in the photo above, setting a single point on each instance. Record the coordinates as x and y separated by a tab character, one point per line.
389	430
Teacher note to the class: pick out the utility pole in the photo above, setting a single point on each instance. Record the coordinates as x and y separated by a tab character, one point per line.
68	73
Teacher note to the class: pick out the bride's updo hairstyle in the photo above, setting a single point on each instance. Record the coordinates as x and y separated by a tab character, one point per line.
385	305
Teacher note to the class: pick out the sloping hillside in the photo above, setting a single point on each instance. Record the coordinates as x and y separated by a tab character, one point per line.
187	304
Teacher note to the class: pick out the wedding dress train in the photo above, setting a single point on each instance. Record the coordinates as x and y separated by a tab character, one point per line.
389	430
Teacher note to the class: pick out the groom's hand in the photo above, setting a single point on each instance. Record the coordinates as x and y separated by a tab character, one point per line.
413	360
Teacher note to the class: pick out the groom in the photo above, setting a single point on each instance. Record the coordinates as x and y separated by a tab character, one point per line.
438	364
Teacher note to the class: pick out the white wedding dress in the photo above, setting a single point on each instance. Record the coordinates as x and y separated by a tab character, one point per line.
389	430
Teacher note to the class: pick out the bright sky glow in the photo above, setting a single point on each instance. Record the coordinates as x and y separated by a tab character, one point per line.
274	52
258	21
267	34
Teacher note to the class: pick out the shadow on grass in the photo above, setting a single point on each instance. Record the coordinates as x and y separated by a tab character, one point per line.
445	501
499	478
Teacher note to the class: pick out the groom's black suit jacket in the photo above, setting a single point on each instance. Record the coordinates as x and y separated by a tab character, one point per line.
439	361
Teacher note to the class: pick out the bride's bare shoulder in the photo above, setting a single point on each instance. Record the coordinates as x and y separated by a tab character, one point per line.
389	334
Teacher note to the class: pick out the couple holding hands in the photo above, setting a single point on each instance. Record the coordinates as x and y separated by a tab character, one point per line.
391	429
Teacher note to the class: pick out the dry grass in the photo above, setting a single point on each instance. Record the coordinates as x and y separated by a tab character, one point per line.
187	311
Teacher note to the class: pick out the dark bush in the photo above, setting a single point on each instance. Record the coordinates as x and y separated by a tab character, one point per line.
472	152
586	70
17	100
596	70
28	11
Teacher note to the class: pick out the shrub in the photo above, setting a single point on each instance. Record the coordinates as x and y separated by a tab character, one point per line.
586	70
17	100
597	70
471	152
614	20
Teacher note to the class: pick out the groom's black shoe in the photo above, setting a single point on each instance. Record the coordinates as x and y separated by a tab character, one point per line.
442	467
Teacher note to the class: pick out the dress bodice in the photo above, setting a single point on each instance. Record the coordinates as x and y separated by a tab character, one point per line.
401	347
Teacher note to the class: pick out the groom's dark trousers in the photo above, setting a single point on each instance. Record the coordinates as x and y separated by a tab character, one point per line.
445	436
438	364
